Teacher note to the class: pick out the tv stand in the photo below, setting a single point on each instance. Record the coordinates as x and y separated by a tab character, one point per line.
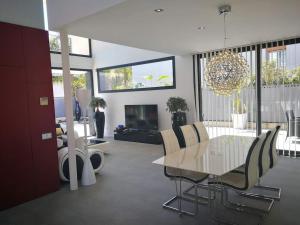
142	136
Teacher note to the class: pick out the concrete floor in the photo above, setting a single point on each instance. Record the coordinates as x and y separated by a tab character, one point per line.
130	190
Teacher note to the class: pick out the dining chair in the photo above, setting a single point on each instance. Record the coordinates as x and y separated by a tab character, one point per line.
171	145
290	117
189	134
201	131
191	138
268	160
268	155
245	181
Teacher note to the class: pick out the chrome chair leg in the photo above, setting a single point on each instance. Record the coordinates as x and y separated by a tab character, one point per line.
202	186
179	198
262	196
242	207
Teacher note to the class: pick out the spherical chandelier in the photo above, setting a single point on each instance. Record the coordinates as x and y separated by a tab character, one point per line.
227	71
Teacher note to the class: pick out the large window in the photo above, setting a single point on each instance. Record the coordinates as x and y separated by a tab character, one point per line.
78	46
146	75
80	79
271	97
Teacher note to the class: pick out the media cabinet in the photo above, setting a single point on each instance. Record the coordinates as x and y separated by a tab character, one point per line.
148	137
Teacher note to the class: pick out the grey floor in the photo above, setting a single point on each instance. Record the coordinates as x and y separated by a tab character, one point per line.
130	190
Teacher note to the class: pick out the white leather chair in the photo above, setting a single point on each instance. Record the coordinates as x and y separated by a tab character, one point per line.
96	155
189	134
201	131
170	144
246	181
273	151
191	138
268	155
268	159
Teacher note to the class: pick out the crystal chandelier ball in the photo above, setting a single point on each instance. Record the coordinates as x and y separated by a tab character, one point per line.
226	72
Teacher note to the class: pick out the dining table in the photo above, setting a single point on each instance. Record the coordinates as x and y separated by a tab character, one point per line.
215	157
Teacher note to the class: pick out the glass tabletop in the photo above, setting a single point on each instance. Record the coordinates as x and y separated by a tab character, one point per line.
217	156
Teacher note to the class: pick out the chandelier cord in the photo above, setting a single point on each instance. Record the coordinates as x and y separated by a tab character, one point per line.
225	31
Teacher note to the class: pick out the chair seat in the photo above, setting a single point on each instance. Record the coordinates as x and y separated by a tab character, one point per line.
241	170
195	177
234	180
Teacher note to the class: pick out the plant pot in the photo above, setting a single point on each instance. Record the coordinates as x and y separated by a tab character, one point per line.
77	111
179	119
99	118
239	120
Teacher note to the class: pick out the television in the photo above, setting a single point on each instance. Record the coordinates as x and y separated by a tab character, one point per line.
141	117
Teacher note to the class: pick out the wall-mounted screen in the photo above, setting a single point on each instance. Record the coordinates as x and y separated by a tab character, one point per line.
141	117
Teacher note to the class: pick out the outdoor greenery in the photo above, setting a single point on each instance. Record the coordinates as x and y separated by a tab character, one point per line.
176	104
78	81
54	44
97	103
238	106
274	75
122	78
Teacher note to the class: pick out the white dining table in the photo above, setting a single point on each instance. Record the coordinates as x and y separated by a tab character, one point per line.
217	156
214	157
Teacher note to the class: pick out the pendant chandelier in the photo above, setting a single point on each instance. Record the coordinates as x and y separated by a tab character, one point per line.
227	71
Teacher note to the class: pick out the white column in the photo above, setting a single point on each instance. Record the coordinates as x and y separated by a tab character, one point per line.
69	108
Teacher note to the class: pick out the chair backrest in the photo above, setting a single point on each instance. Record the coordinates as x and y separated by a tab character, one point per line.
264	156
170	141
189	134
290	115
251	165
273	152
171	144
201	131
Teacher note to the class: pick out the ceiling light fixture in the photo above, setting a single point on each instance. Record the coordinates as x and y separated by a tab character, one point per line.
201	28
227	71
158	10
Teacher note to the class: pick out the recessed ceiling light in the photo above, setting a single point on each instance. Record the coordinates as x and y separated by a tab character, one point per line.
201	28
158	10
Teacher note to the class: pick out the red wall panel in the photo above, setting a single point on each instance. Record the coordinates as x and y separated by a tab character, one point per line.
15	155
44	151
28	164
11	46
37	56
42	118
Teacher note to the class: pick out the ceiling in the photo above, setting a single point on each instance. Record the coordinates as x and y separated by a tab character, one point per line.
63	12
175	30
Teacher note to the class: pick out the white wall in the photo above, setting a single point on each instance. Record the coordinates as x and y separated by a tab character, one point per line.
76	62
26	13
106	54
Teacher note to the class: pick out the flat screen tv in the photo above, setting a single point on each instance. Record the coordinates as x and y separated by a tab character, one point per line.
141	117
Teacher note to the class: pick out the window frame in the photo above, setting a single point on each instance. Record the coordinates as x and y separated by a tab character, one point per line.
79	69
90	55
172	58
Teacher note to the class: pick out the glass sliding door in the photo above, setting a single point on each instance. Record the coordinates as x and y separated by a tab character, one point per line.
260	106
280	91
230	115
80	79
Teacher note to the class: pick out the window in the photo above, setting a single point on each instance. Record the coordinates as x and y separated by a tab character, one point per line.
81	79
78	46
146	75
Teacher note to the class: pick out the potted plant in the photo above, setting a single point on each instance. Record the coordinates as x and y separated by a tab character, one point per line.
99	117
177	106
239	115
